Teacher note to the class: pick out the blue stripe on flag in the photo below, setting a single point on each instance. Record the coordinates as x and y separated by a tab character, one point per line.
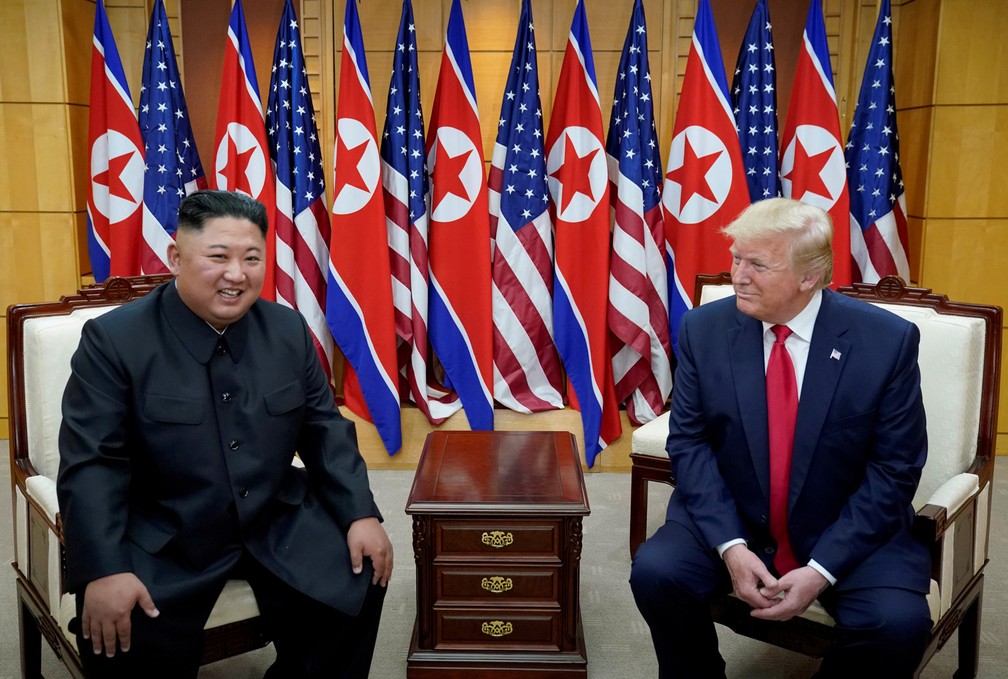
351	335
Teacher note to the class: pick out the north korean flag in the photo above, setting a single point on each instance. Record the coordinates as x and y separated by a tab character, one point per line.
461	324
242	160
813	169
705	186
116	168
579	189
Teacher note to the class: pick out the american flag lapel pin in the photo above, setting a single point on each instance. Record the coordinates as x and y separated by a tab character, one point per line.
835	355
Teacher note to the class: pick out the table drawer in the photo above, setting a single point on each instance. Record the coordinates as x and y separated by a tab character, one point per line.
497	538
493	585
496	629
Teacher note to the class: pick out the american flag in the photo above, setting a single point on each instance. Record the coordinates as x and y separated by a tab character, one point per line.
812	161
754	100
705	185
241	150
878	201
173	163
115	191
527	374
302	219
579	192
461	327
359	306
404	178
638	279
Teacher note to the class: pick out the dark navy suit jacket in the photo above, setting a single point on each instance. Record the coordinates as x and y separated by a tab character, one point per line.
176	454
860	441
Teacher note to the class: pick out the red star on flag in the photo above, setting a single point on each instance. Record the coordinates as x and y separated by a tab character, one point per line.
692	175
349	169
447	175
240	161
573	175
112	177
809	170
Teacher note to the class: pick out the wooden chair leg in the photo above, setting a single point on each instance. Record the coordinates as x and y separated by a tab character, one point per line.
638	511
969	640
31	642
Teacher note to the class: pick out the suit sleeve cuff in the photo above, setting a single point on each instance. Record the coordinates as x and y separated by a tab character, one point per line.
822	571
723	547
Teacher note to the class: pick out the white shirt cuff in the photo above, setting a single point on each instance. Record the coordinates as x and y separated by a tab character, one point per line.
723	547
822	571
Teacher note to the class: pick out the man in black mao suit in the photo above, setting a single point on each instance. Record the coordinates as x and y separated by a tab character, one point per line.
859	444
181	418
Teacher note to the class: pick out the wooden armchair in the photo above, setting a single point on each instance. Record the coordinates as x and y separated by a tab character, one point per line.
41	340
960	362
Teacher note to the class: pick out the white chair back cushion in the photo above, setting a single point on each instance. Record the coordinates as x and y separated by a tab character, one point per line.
951	366
49	342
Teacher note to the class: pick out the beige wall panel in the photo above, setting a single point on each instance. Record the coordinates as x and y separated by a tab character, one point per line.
129	22
972	51
77	117
915	38
915	227
544	21
490	72
491	25
35	173
31	70
78	38
963	257
431	21
968	168
914	127
28	239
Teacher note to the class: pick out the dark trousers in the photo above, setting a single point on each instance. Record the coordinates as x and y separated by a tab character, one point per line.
883	630
312	640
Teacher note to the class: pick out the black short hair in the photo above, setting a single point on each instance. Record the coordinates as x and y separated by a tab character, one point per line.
196	208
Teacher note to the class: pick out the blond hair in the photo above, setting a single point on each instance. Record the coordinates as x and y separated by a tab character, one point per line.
809	228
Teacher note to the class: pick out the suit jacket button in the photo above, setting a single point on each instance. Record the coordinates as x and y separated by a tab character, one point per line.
233	445
769	551
226	397
243	492
764	520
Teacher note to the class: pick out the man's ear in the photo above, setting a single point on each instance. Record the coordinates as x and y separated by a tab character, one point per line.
810	281
173	258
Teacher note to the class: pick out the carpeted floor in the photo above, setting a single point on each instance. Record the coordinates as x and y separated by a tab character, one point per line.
618	643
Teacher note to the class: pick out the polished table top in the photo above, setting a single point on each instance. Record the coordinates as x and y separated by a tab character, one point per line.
499	471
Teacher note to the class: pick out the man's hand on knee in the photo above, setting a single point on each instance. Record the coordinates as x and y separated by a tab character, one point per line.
366	537
795	590
108	604
748	576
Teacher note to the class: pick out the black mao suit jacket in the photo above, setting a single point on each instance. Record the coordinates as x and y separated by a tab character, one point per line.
176	448
860	441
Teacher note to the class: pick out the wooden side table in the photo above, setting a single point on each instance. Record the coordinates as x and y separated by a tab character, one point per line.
497	541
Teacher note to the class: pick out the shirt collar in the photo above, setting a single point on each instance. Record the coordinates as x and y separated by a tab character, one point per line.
199	337
803	323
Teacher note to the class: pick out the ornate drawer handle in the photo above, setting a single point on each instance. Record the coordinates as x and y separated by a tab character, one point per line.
497	628
496	584
497	539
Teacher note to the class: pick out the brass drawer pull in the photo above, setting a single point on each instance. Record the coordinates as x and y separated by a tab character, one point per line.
497	628
497	539
496	584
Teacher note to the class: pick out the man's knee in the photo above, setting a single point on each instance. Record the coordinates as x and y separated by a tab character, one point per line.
662	575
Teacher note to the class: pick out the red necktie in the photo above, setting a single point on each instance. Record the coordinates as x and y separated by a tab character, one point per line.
782	410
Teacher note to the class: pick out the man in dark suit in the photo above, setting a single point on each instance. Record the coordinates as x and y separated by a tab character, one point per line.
181	418
830	517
